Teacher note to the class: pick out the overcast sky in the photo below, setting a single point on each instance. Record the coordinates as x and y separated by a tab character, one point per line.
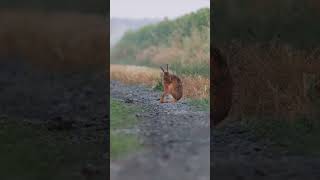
154	8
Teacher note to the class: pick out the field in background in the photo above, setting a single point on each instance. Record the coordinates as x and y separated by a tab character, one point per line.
58	41
183	43
274	81
197	87
277	94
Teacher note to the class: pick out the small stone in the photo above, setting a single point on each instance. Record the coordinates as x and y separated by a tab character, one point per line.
166	156
127	100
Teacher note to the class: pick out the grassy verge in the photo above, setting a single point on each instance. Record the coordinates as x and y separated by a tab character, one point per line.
122	117
33	152
200	104
122	144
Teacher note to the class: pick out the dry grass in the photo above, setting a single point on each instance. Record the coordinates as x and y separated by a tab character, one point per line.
274	80
193	86
131	74
196	87
190	50
55	40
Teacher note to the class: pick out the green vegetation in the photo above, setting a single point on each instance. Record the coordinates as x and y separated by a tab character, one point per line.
202	69
162	33
92	6
292	22
33	152
122	144
122	117
184	43
200	104
158	86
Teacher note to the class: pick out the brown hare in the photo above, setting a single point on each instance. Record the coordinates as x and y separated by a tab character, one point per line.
222	87
171	85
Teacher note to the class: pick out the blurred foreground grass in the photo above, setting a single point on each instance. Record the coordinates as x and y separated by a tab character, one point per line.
122	118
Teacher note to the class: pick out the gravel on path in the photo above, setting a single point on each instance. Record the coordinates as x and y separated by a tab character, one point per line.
176	137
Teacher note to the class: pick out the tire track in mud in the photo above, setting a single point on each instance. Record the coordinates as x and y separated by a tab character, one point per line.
176	137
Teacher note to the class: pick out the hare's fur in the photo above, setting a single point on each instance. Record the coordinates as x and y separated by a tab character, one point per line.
171	85
222	86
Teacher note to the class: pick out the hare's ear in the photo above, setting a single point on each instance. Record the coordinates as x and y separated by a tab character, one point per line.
167	68
161	68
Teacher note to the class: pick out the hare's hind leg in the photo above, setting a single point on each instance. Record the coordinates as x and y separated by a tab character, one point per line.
174	100
162	98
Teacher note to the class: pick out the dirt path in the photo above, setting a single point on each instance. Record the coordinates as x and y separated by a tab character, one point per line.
69	104
177	138
239	155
